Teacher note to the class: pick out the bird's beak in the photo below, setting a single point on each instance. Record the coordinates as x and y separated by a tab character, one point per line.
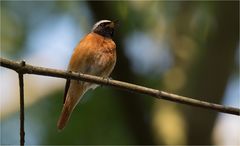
113	24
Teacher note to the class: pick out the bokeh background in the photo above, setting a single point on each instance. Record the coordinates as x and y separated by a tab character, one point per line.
187	48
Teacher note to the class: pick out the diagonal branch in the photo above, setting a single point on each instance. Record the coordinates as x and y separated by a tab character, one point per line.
29	69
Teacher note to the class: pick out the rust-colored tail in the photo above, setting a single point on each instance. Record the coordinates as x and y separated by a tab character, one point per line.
64	117
75	92
74	95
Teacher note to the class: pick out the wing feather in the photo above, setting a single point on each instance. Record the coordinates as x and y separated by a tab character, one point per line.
66	89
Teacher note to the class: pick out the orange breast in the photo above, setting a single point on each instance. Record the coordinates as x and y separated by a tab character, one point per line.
94	55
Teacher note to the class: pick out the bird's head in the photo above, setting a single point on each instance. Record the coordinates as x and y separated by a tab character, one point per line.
104	28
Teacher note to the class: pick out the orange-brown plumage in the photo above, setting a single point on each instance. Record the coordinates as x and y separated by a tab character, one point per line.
90	49
96	55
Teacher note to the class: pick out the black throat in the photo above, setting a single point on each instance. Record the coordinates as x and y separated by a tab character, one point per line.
105	32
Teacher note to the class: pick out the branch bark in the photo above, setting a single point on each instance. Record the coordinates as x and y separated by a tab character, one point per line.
21	89
29	69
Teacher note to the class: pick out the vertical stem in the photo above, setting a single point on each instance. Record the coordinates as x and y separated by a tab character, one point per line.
22	133
21	87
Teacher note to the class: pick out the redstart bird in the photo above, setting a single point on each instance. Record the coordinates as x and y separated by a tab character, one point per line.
95	55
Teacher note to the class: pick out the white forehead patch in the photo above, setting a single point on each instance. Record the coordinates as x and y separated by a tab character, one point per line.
99	22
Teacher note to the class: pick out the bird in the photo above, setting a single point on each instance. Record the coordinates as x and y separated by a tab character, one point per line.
95	54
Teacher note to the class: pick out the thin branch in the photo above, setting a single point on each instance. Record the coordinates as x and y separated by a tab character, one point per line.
29	69
21	87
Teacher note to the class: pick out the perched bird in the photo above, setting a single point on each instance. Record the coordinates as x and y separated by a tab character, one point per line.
95	55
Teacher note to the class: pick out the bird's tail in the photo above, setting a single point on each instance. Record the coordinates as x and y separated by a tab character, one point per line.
64	117
73	97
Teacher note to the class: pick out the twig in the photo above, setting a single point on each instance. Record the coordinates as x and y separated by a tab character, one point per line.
21	85
29	69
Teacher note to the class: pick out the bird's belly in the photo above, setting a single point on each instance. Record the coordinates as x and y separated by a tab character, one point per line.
103	64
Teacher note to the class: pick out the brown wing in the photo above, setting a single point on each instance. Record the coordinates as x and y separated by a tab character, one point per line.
78	59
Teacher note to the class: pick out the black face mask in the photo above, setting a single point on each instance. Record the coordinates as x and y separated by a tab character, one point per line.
104	30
